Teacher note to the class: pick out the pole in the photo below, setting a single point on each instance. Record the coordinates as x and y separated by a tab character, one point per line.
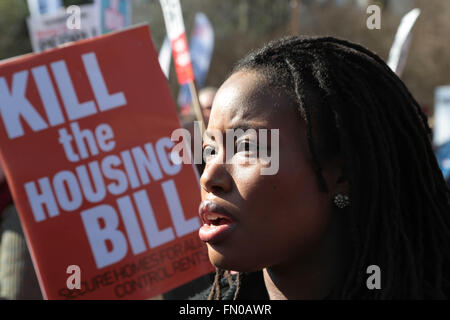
196	105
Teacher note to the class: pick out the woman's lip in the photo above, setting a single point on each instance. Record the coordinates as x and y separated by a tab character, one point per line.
214	234
209	206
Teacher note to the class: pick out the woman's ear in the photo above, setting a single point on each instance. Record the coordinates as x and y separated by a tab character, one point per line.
333	173
342	185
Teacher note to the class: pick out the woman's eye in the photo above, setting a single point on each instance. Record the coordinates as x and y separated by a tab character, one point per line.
246	146
208	151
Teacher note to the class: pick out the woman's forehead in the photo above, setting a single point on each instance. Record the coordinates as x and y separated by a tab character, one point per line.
247	97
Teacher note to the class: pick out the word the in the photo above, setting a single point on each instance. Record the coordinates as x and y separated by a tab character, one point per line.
86	143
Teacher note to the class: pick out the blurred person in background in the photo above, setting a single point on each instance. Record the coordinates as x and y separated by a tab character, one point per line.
206	98
18	279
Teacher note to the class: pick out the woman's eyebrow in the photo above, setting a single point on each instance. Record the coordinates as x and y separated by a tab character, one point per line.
239	125
247	125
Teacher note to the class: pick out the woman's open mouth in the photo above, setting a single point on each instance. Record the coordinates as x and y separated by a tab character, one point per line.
217	222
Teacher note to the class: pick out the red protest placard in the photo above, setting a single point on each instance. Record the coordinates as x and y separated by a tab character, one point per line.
85	144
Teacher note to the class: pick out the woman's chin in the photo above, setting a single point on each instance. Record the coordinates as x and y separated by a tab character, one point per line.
222	261
217	259
230	261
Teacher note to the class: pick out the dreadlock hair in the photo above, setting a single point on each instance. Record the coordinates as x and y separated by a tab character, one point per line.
356	108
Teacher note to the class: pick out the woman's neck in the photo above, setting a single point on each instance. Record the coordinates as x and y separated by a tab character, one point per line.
310	276
294	282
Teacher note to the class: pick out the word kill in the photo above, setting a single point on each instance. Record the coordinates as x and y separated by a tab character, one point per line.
14	105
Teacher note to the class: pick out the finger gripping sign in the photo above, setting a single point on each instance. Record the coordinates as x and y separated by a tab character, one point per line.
86	150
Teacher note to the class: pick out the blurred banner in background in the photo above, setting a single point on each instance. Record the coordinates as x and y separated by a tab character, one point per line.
441	130
201	48
50	30
40	7
114	14
48	22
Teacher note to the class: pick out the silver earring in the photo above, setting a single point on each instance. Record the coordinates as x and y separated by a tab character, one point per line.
341	200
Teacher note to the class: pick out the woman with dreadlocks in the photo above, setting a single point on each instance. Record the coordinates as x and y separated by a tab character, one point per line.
358	184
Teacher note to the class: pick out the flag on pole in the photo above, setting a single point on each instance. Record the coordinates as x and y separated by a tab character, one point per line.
164	57
399	50
173	19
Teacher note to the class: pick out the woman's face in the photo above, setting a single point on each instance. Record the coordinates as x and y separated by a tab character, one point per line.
269	219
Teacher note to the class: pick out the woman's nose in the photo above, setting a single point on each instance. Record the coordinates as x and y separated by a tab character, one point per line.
215	178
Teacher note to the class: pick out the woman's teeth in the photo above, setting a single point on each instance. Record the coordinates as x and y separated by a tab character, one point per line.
214	219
